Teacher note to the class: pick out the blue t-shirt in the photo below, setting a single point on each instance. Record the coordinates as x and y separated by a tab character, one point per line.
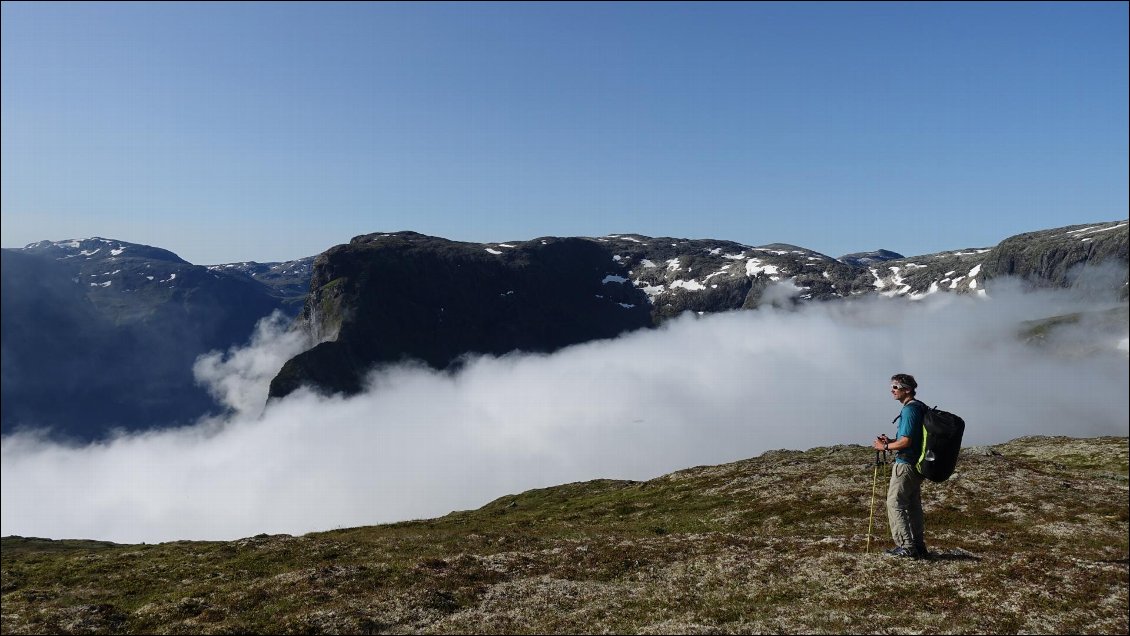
910	425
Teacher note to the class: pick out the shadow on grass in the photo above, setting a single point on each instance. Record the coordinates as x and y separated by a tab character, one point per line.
953	555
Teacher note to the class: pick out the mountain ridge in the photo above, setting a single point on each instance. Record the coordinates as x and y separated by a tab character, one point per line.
361	291
101	335
82	318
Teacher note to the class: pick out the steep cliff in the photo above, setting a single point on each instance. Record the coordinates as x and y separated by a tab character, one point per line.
391	297
386	298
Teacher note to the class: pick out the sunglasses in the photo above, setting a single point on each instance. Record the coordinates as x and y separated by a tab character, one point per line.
898	388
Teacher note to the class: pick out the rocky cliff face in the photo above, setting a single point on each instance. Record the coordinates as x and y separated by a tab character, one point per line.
390	297
1051	258
384	298
1048	258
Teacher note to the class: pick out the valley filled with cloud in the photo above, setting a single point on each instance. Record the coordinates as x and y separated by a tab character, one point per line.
698	390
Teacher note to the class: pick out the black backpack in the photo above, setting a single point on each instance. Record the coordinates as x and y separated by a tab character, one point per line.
941	444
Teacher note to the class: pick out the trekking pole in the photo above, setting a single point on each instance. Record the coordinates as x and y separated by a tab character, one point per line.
874	485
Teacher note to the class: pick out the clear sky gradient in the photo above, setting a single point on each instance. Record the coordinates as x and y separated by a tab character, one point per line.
261	131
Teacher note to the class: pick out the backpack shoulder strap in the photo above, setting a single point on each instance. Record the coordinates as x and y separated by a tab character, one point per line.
925	409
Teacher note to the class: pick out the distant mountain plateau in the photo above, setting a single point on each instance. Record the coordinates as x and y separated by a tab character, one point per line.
101	335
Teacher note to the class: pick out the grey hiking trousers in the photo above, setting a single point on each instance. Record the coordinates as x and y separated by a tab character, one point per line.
904	508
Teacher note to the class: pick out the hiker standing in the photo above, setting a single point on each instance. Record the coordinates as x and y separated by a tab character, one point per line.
904	497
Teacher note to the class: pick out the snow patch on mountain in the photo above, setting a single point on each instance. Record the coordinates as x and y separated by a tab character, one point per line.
754	266
1094	229
689	285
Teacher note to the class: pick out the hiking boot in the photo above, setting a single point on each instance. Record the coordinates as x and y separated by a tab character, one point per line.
922	552
906	553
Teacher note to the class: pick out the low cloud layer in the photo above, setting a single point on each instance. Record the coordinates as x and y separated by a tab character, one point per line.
700	390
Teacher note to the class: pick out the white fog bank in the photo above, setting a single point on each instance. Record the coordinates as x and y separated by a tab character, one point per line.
697	391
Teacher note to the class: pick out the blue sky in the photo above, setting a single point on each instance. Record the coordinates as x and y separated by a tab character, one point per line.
261	131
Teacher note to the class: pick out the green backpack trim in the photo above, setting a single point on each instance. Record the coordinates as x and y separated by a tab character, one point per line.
922	452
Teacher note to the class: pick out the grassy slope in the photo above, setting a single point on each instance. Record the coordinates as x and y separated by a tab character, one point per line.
1033	540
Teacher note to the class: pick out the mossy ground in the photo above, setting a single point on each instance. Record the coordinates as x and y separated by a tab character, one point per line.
1032	539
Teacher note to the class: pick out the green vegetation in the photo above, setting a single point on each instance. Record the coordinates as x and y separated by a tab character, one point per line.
328	298
1111	320
1030	536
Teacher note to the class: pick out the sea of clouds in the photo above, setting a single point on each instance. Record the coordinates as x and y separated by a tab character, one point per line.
698	390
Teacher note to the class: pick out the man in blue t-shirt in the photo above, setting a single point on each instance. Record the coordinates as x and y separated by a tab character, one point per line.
904	496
